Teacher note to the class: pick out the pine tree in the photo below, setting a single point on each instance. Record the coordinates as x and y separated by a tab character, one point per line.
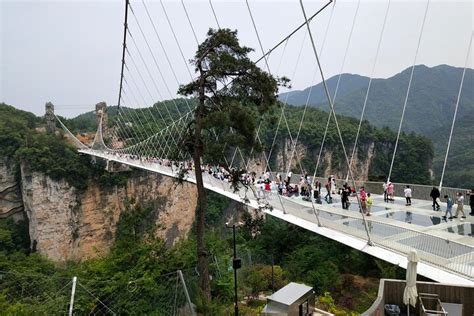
233	93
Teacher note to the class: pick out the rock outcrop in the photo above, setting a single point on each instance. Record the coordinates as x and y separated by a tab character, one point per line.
11	203
67	224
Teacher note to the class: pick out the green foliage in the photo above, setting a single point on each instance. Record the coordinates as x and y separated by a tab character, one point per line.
229	114
49	154
216	205
14	236
14	126
415	153
326	302
429	113
258	279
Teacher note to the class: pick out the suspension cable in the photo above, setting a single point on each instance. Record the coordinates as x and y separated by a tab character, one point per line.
154	59
150	75
189	22
337	85
328	96
215	15
408	90
163	47
368	87
125	26
455	112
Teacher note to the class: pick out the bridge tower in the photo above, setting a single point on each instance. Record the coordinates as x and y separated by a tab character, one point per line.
101	111
49	118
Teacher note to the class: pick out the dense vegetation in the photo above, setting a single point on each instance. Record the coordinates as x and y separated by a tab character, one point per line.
33	285
429	111
413	159
22	141
298	255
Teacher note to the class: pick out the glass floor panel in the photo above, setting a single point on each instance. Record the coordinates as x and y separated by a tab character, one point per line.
466	229
413	218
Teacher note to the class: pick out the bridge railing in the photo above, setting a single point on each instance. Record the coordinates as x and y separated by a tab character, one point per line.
419	191
438	251
441	252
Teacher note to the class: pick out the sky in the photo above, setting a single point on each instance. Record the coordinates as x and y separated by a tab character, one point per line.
69	52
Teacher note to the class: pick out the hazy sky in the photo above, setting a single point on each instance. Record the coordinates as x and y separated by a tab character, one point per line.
69	52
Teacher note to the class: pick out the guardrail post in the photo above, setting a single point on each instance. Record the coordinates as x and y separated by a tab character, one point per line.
73	293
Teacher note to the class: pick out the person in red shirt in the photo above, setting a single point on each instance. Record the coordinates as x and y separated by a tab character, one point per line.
363	199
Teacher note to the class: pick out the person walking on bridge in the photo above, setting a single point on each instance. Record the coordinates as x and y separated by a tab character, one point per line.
363	199
407	192
449	207
328	196
288	178
370	201
345	196
471	201
435	196
391	192
460	203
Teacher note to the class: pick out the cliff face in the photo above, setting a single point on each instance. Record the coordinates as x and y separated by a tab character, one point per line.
11	203
294	158
66	224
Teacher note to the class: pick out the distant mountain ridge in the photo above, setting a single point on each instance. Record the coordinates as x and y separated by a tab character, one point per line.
429	111
348	84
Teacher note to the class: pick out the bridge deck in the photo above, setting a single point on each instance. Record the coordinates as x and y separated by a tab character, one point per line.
445	248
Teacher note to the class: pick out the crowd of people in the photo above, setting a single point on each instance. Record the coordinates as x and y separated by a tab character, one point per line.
309	189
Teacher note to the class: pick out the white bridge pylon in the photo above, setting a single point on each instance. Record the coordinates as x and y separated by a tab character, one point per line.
445	248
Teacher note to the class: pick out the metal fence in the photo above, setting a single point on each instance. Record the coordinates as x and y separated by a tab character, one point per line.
41	294
446	254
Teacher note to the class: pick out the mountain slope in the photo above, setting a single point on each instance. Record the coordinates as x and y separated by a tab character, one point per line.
348	84
429	110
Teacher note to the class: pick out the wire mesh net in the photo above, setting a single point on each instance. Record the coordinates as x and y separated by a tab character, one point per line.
31	294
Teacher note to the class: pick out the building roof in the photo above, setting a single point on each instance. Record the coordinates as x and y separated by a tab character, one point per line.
290	293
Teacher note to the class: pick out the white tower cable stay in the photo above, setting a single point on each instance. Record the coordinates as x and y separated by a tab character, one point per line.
328	96
354	19
143	132
267	167
215	15
408	90
150	75
144	82
154	60
295	141
146	86
164	50
354	149
456	111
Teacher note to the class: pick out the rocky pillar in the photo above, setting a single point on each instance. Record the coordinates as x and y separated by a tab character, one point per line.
49	118
101	111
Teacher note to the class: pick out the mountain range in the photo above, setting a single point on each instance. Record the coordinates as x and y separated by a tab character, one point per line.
429	111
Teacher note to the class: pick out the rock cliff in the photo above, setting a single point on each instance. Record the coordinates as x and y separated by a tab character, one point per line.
11	203
68	224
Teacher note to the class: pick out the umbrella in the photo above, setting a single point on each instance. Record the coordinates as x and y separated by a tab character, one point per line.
410	294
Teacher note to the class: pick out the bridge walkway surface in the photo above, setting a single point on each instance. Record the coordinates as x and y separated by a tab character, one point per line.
445	248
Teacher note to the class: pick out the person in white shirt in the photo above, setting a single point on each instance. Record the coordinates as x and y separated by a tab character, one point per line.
408	195
385	195
460	203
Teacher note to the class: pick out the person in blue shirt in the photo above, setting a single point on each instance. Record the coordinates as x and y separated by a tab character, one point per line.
449	207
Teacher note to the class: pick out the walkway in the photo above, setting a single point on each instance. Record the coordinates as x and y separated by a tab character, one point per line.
445	248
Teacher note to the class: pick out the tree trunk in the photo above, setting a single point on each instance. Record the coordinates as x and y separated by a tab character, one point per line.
203	267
